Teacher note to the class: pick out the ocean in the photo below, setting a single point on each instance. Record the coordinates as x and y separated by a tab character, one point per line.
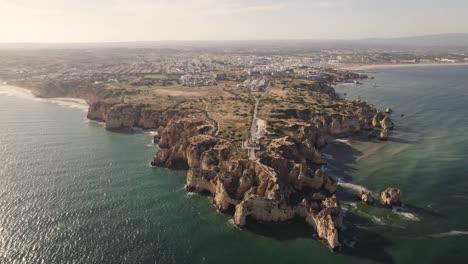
72	192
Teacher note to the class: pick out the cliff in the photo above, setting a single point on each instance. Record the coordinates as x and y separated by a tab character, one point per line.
202	132
284	182
281	186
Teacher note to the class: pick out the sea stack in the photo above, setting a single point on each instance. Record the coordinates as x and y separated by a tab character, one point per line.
366	197
390	197
386	123
388	110
383	136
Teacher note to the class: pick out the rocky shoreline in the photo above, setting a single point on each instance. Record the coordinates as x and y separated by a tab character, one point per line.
285	182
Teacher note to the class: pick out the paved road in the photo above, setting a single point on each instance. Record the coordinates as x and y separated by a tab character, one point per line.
252	132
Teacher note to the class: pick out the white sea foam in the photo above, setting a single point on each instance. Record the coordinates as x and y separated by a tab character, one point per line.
347	84
9	90
68	104
152	133
403	212
231	223
343	140
377	220
16	91
451	233
352	186
362	227
350	244
190	194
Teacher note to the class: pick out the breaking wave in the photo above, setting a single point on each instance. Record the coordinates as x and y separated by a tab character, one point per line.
451	233
9	90
353	187
403	212
343	140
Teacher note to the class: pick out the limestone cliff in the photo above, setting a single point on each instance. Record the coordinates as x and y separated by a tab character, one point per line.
282	185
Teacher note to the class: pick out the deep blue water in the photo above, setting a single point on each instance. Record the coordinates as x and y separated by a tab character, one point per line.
72	192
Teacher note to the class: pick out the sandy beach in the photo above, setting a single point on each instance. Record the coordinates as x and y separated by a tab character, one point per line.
26	93
69	100
357	67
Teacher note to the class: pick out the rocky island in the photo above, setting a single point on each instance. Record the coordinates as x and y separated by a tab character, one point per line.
252	141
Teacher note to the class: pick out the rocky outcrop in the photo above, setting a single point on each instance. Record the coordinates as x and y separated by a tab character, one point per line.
390	197
383	136
388	110
376	120
327	222
175	142
338	125
264	190
118	115
366	197
385	123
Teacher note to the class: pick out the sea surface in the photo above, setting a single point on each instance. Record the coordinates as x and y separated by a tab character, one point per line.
71	192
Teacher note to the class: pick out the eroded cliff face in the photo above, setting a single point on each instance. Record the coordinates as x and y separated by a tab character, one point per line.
118	115
280	186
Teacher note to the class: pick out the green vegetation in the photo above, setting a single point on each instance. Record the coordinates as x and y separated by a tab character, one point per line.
155	76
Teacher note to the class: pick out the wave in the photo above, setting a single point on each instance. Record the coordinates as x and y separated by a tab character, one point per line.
191	194
343	140
353	186
451	233
67	104
152	133
404	213
9	90
231	223
16	91
350	243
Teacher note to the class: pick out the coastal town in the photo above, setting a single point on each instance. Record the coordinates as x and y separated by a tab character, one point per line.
194	67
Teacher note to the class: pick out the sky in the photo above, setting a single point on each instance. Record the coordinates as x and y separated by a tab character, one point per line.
61	21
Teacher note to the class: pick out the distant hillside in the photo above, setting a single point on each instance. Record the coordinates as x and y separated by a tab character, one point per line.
442	41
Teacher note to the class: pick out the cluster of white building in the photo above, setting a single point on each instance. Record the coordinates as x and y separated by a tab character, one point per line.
198	80
255	85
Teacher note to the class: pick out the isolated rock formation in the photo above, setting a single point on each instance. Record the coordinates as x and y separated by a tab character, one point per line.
390	197
383	136
386	123
366	197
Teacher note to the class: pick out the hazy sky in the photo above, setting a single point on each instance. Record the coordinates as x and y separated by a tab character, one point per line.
135	20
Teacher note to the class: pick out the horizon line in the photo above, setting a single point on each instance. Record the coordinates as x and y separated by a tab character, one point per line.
225	40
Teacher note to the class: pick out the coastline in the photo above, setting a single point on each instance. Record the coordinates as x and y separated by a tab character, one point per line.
358	67
23	92
258	193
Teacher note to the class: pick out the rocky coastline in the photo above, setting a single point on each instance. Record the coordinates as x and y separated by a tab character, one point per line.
285	182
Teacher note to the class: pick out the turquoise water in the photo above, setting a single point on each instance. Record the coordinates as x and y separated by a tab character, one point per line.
72	192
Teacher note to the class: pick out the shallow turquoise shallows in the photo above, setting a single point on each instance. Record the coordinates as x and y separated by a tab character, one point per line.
71	192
